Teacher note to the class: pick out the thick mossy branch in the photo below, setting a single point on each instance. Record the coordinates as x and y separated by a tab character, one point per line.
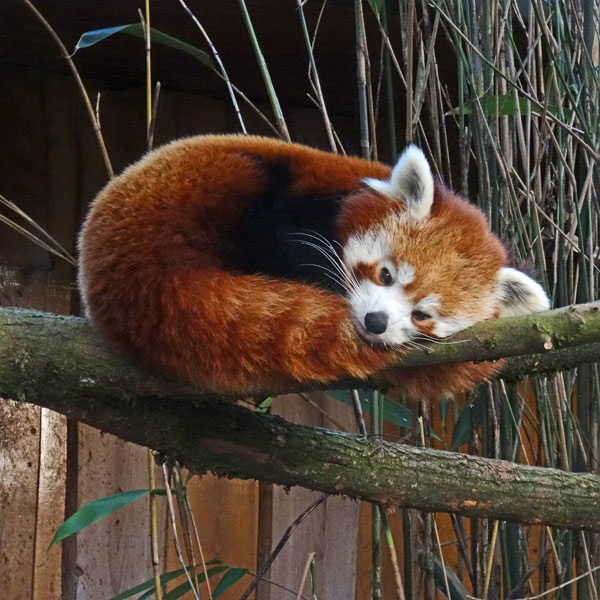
226	439
59	363
69	354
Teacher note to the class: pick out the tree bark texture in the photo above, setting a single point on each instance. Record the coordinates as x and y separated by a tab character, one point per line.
58	362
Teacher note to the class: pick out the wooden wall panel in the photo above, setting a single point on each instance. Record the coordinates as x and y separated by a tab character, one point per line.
33	440
19	458
113	554
50	506
32	478
226	515
330	531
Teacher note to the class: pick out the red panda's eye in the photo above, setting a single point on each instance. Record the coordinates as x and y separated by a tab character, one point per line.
419	315
385	277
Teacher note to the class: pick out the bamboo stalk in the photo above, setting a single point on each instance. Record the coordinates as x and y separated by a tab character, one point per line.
376	511
408	59
315	78
158	591
78	80
389	90
171	506
393	556
262	64
220	64
361	74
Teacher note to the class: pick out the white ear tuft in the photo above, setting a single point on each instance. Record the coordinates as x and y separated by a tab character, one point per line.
518	294
411	182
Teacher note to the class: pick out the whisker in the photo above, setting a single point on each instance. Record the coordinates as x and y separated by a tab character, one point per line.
448	337
408	344
335	261
323	240
416	345
442	342
327	250
329	245
329	273
324	253
317	236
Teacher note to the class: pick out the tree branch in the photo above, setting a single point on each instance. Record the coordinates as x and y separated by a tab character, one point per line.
58	362
515	336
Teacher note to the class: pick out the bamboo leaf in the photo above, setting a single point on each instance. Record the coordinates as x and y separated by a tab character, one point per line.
393	412
377	6
506	105
469	416
148	585
443	406
230	578
90	38
185	587
94	511
264	406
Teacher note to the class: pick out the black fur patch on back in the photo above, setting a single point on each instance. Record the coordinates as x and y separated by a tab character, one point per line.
275	225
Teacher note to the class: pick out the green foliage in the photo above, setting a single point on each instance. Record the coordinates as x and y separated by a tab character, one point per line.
264	406
90	38
393	412
148	585
493	105
377	6
470	418
94	511
231	577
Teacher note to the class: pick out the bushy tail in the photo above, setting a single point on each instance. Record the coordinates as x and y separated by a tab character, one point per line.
239	333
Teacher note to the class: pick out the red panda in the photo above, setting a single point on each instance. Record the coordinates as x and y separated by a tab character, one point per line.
245	264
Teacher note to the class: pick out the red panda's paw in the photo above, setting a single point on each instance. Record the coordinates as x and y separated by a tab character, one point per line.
431	382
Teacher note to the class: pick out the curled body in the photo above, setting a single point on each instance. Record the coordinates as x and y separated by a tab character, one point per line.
243	264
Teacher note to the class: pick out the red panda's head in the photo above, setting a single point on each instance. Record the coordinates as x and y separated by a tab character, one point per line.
421	261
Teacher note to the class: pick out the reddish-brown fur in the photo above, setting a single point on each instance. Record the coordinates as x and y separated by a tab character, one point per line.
157	285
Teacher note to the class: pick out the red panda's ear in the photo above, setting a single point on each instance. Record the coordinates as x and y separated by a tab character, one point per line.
411	182
518	294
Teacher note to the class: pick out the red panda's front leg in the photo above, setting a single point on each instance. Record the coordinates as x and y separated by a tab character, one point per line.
245	333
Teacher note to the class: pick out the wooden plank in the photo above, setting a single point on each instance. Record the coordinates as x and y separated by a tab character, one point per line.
61	216
330	531
226	515
32	445
19	455
113	554
62	195
31	476
50	506
363	554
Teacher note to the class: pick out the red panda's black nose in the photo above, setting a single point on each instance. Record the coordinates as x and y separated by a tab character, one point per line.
376	322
